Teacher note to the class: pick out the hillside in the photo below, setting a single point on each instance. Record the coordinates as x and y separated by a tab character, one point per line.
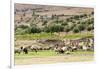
30	18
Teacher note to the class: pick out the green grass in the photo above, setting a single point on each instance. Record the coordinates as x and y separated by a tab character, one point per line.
36	36
48	54
52	36
46	57
79	35
39	54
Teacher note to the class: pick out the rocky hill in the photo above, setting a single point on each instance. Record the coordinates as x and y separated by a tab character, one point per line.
47	18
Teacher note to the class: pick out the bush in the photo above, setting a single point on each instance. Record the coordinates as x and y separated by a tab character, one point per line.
44	22
54	28
92	13
81	16
69	20
71	26
76	17
81	27
90	27
85	15
23	31
33	13
46	29
35	29
90	21
76	30
64	23
66	28
23	26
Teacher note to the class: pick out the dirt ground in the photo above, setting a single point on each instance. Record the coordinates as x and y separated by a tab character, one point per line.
54	59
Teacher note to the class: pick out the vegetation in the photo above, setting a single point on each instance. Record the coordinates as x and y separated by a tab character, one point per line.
54	28
52	36
47	53
76	30
37	26
76	23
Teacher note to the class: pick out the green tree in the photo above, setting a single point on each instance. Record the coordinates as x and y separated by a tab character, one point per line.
66	28
23	26
33	13
76	30
35	29
54	28
81	27
90	27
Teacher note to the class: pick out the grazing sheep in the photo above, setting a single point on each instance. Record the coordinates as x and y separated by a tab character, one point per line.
35	48
25	50
74	48
17	50
60	49
85	48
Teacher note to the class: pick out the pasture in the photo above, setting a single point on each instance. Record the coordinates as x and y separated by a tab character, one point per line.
50	56
53	36
47	57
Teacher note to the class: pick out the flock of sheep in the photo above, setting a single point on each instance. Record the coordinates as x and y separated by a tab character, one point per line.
66	45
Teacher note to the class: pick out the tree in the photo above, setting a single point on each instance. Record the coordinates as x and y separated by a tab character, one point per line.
44	22
76	30
92	13
76	17
66	28
85	15
23	26
71	26
35	29
90	27
54	28
64	23
33	13
81	27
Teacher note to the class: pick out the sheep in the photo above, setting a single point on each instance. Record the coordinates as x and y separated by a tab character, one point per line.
17	50
61	49
25	50
58	50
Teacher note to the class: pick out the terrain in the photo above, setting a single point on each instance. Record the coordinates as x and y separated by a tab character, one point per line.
45	26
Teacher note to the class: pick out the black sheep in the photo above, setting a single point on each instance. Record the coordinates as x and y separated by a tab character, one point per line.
25	50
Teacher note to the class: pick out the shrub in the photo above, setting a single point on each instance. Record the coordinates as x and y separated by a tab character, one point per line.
46	29
35	29
81	27
44	22
33	13
23	26
81	16
66	28
23	31
64	23
54	28
90	27
85	15
69	20
92	13
76	17
71	26
76	30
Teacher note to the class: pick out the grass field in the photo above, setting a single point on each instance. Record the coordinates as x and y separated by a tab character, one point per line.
52	36
45	57
52	57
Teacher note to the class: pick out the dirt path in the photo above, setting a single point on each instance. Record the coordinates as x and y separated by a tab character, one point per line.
53	59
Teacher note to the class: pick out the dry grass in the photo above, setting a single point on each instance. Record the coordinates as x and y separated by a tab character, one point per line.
47	58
